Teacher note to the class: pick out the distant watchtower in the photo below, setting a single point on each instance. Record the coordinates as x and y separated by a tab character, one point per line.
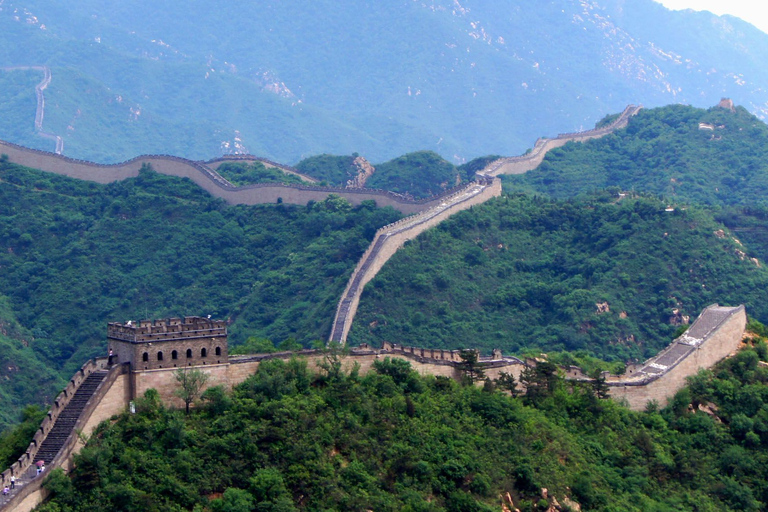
169	343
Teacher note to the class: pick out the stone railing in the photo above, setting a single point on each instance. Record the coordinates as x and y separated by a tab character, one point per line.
61	401
531	159
29	486
210	180
391	237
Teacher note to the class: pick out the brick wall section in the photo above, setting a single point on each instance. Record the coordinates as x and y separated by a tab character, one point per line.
169	343
209	180
109	398
721	338
164	381
532	159
390	238
723	341
205	176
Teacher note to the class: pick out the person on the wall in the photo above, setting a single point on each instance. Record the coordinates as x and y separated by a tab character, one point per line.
109	361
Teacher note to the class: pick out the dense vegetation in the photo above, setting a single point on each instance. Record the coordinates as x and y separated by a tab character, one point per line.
287	439
330	169
244	173
76	255
421	174
25	379
664	151
523	271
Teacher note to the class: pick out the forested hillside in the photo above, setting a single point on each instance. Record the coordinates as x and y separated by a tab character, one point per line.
76	255
287	439
419	174
612	275
715	158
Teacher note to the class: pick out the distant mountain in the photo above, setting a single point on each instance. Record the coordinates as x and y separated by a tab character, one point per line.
292	79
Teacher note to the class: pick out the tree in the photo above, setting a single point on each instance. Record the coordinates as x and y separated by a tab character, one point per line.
506	381
540	381
469	365
191	383
599	386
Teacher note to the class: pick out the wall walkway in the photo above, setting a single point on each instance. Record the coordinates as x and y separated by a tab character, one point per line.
390	238
40	110
205	176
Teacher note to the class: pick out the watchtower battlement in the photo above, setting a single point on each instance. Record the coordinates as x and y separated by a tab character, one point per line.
169	343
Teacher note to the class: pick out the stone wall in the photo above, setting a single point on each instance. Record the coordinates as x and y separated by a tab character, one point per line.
720	336
209	180
531	160
390	238
169	343
723	341
205	175
111	397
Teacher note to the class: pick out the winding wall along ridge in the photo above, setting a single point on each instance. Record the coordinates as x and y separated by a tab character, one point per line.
381	248
715	334
40	110
209	180
390	238
531	160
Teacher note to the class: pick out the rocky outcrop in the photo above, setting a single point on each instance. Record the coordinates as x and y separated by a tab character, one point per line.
727	103
363	170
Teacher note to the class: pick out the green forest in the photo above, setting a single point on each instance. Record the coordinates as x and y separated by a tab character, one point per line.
654	221
523	272
596	274
249	173
293	439
77	255
420	174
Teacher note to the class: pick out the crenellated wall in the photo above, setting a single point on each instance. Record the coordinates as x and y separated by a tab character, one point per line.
719	335
209	180
390	238
205	175
715	334
532	159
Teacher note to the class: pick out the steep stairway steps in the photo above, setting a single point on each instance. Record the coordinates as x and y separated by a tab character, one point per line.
67	419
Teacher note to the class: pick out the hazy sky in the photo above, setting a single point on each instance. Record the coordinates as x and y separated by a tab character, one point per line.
752	11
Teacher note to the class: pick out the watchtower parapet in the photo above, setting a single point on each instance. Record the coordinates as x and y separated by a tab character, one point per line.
169	343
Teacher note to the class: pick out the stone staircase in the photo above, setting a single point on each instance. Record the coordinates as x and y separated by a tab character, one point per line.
68	418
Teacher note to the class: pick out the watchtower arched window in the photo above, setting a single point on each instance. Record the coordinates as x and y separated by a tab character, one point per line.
218	351
174	355
159	356
189	353
145	357
203	353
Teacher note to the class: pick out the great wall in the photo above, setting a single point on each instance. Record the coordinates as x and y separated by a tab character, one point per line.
40	108
148	353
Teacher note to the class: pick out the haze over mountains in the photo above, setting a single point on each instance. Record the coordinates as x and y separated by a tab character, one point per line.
293	79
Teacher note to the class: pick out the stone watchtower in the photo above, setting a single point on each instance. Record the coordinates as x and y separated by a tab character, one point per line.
169	343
